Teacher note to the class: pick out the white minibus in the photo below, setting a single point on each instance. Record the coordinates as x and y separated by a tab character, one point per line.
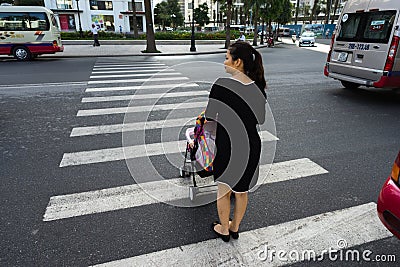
364	45
28	31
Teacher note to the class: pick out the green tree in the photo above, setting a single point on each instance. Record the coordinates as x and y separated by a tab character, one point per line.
286	12
168	14
161	15
201	14
150	37
316	9
24	2
228	12
135	26
6	1
297	12
334	10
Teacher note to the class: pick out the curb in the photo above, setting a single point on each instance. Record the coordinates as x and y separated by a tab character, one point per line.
223	50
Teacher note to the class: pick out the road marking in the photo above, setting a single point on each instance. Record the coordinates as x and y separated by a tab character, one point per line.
126	127
21	86
141	87
127	65
140	80
123	197
131	152
133	71
130	68
356	225
143	96
109	111
156	74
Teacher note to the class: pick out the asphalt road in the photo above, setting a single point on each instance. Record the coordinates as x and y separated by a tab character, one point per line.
354	135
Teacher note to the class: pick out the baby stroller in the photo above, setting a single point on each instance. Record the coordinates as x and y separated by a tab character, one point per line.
199	154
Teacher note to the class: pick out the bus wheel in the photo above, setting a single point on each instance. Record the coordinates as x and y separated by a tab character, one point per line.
22	53
350	85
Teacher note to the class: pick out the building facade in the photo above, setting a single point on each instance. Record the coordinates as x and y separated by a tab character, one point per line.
109	15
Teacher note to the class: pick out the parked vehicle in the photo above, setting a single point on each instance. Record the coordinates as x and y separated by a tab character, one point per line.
307	39
389	200
284	32
28	31
364	45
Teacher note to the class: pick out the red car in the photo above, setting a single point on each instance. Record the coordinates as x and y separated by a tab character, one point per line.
389	200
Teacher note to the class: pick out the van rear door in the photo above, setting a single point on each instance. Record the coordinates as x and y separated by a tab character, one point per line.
363	42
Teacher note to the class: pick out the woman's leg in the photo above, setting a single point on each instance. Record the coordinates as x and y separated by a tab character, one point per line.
239	210
224	207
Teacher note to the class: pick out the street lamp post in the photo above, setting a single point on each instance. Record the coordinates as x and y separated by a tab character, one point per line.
192	41
79	19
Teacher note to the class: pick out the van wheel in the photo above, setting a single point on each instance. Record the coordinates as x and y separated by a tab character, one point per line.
350	85
22	53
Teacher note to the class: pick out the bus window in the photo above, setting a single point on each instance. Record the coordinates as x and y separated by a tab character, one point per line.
13	21
54	21
38	21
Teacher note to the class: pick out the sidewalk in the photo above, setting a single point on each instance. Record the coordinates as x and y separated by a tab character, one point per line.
111	48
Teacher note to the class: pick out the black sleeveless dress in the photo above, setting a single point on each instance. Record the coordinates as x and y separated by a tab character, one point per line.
237	108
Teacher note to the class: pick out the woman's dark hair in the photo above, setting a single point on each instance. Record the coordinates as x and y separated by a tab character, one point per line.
252	62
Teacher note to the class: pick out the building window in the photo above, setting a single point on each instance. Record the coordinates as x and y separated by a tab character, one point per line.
101	5
104	22
138	5
64	4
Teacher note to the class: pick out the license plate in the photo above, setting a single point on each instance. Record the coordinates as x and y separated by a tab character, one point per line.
342	57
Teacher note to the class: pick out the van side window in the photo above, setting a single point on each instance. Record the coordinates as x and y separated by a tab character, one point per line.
368	27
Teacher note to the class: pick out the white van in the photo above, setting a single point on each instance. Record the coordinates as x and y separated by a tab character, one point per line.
364	45
284	32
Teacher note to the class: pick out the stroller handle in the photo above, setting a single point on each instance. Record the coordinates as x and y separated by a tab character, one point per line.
189	134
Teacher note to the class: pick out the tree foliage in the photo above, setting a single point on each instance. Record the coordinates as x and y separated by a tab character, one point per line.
201	14
24	2
168	13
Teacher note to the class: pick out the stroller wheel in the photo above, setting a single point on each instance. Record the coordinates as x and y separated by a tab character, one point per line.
182	172
193	192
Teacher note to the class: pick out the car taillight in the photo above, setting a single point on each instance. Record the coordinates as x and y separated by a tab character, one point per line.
396	169
55	43
392	54
328	59
330	49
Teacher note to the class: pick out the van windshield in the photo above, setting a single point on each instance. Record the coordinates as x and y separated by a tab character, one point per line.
369	27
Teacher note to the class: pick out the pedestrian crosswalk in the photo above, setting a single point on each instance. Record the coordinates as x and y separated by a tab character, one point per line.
118	83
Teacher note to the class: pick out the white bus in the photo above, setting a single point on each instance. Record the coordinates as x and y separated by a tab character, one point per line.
28	31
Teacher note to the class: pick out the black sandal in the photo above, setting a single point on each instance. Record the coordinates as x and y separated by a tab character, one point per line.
235	235
225	238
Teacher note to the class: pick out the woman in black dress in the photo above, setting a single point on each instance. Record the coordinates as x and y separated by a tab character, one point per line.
238	105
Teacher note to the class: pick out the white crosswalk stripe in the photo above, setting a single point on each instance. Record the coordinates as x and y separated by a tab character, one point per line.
118	128
135	75
142	96
109	111
131	152
311	236
140	80
140	87
137	70
133	195
318	232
